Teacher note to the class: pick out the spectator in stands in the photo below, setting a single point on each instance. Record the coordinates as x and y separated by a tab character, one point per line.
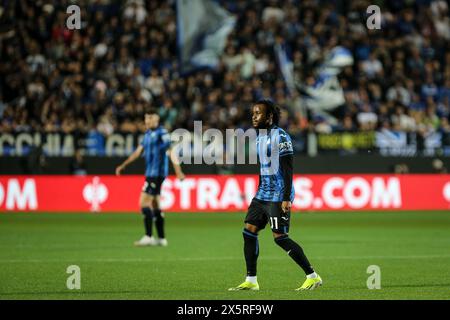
438	166
98	79
77	165
401	168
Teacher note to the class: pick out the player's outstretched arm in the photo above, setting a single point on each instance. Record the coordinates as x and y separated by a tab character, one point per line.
176	164
135	155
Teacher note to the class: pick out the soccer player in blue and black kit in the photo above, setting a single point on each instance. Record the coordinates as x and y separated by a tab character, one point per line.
274	197
156	149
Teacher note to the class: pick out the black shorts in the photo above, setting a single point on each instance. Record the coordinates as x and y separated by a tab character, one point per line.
152	185
260	212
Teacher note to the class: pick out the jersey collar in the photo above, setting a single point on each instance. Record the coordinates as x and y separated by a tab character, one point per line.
156	129
272	126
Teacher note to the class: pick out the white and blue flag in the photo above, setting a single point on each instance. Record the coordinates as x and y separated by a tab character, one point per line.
203	27
286	67
337	59
326	93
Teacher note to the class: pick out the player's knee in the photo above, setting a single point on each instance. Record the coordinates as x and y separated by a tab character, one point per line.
155	204
252	228
277	235
279	238
144	204
249	235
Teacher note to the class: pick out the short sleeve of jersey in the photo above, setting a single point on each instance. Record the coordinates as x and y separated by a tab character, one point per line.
165	139
143	144
284	144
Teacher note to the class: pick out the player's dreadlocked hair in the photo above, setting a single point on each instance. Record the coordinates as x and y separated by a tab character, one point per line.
271	108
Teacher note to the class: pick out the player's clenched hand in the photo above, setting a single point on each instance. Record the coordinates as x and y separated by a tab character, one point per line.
286	206
119	170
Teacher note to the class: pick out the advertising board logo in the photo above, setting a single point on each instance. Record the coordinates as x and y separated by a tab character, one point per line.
95	193
446	191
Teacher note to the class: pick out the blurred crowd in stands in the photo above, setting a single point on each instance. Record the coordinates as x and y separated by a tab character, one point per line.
124	59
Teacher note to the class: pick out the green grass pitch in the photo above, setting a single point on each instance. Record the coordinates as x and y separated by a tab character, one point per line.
204	256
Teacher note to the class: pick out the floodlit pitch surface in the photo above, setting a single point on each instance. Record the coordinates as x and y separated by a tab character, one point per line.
204	256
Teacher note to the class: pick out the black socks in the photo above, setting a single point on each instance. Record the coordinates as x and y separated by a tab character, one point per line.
148	220
159	222
251	251
295	252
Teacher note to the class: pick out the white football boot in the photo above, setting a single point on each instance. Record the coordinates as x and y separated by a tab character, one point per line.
146	241
163	242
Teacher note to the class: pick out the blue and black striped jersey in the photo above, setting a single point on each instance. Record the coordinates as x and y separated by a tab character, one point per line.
156	143
272	146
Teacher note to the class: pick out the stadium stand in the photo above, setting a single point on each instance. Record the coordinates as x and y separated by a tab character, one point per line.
99	79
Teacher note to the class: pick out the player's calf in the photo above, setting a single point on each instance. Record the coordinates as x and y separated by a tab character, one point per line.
159	222
295	252
148	220
251	251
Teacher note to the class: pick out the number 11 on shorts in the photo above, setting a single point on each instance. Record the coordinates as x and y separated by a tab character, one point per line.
273	222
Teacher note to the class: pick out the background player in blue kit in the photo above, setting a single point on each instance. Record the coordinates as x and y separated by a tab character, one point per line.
156	149
274	197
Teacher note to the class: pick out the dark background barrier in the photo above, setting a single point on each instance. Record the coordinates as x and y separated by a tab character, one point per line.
36	164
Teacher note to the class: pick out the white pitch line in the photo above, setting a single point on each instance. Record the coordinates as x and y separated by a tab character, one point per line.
215	259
